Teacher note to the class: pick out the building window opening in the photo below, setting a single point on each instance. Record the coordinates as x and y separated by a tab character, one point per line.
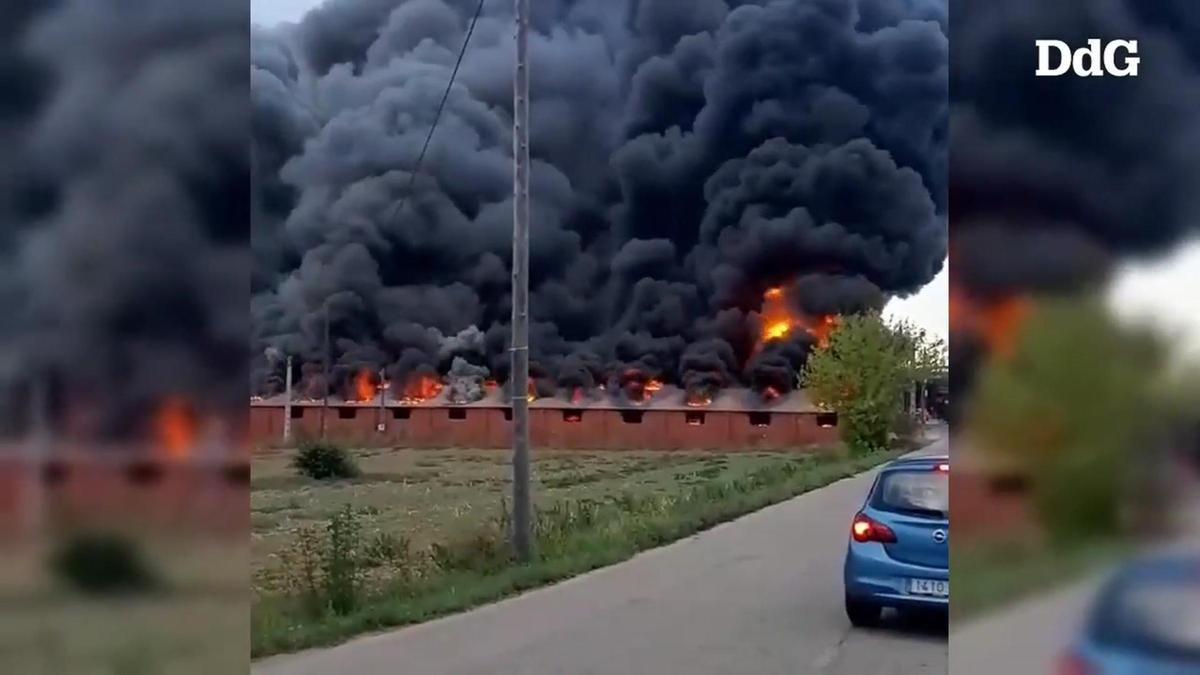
827	420
347	413
760	419
695	419
631	416
458	414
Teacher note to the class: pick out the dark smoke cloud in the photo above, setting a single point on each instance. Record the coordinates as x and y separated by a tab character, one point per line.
1056	179
125	199
686	156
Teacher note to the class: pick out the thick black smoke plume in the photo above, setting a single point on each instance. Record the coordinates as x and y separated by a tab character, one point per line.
687	156
124	202
1056	180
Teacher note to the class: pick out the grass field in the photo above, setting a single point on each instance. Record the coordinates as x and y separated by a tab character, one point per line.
447	509
432	496
193	623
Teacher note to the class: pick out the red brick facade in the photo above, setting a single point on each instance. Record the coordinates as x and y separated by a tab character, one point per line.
561	428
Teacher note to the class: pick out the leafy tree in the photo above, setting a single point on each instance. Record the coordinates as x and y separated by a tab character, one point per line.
925	357
862	375
1067	409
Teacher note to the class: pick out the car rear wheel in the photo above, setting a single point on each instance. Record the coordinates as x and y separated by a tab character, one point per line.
862	614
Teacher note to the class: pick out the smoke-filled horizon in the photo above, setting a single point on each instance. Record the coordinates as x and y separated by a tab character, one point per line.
687	157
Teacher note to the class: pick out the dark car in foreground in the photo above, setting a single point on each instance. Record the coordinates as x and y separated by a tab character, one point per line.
898	555
1145	621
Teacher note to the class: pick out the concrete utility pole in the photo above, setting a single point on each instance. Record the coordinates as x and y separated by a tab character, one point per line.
325	400
287	400
522	537
381	424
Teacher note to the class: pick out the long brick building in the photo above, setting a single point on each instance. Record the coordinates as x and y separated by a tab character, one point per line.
735	419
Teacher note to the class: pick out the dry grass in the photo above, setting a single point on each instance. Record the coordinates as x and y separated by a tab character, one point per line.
430	496
197	623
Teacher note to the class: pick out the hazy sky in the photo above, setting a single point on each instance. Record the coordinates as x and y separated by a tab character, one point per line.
1166	292
271	12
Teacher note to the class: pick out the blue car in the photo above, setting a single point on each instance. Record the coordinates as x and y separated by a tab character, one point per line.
1145	621
898	554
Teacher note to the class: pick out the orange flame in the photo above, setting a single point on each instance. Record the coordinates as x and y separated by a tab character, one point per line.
577	395
997	322
364	386
698	399
421	389
770	394
531	390
779	320
176	427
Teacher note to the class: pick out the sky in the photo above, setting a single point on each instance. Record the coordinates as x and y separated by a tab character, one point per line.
271	12
1165	292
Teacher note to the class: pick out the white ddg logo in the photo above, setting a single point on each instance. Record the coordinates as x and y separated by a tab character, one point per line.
1089	61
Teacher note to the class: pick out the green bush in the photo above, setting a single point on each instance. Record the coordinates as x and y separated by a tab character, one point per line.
103	564
323	460
386	548
325	567
343	561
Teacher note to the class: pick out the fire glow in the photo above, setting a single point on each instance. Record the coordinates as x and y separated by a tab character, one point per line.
779	320
997	322
420	389
175	427
364	388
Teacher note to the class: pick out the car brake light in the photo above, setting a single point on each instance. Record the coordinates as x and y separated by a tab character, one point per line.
1074	664
865	529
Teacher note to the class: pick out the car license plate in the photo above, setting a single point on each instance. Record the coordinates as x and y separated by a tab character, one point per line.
931	587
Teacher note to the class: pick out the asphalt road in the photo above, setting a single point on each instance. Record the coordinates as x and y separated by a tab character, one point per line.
760	595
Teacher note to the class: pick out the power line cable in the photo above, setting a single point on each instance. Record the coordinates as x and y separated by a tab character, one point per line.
438	115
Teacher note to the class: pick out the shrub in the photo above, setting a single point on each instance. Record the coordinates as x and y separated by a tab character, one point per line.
323	460
483	552
386	548
103	564
324	568
343	561
303	563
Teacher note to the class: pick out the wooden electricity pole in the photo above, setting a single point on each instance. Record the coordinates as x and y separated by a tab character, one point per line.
522	536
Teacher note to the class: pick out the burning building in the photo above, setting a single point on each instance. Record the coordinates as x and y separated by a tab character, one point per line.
658	418
709	194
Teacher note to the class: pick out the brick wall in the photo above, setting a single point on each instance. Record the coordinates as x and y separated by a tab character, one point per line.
588	428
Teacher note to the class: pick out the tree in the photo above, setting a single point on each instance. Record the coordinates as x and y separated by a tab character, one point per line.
925	358
1067	409
862	375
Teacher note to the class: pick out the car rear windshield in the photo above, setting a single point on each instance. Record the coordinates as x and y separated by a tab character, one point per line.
916	492
1159	618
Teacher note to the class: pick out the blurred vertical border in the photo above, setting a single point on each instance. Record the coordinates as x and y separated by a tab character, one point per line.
124	279
1076	432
